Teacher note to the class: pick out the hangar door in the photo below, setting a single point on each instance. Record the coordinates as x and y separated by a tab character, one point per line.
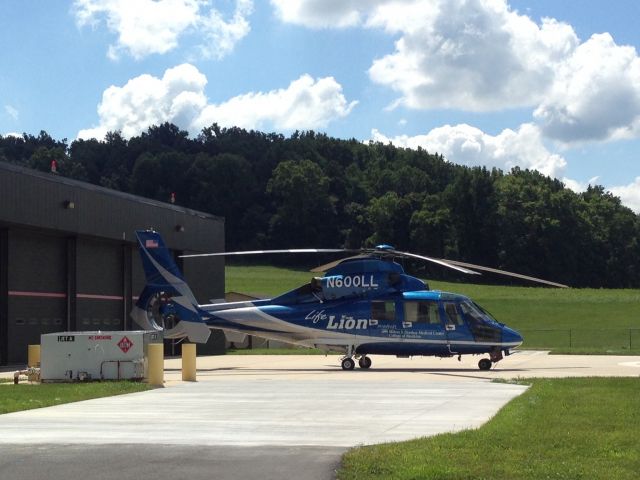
37	290
99	285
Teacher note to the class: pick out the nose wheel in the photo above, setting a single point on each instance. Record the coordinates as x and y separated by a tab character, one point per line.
484	364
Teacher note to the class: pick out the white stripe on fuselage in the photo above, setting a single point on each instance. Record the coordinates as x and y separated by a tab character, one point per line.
254	317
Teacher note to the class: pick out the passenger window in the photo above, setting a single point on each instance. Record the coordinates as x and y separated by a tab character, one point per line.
421	312
410	311
385	311
452	314
415	312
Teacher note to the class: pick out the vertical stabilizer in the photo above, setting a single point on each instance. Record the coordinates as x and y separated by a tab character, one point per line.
166	303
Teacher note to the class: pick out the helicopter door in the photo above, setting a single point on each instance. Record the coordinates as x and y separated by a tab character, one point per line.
383	313
422	321
384	317
455	326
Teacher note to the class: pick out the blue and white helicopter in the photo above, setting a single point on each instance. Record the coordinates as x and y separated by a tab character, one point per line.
363	305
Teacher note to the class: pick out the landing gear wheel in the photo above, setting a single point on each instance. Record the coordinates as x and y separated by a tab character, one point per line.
484	364
364	362
348	364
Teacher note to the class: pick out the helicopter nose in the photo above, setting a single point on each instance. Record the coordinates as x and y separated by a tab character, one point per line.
511	336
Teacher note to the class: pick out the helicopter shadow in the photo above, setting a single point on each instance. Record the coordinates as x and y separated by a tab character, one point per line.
470	373
220	369
332	369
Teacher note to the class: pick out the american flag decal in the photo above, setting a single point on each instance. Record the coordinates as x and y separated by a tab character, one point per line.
151	244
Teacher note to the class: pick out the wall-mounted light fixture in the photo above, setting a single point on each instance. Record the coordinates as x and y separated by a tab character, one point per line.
69	204
179	228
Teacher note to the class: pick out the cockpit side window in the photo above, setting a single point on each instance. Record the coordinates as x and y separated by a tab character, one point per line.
452	315
384	311
421	312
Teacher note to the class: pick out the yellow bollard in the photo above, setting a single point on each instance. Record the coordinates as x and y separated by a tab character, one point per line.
33	356
189	362
156	364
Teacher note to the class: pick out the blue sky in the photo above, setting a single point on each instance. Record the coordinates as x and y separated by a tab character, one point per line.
551	85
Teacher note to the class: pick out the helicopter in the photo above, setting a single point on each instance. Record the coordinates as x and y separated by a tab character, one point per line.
363	305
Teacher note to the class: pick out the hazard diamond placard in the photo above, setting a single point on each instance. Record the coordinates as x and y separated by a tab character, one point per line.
125	344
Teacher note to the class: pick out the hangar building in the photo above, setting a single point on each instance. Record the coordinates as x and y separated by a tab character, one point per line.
69	259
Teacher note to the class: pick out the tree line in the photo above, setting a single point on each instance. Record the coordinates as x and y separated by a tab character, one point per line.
312	190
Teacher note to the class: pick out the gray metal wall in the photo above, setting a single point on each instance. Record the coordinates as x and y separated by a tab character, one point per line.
4	294
52	283
79	268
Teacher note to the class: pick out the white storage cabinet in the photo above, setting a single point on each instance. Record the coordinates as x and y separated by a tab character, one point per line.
82	356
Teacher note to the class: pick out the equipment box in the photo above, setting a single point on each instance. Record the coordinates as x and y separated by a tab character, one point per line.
80	356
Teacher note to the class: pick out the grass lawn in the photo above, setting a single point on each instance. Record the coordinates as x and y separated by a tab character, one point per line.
563	320
14	398
264	281
559	429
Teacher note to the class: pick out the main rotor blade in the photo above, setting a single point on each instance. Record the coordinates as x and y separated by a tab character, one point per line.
510	274
262	252
330	265
445	263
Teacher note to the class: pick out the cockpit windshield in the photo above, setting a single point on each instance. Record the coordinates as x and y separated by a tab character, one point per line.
482	325
487	315
476	312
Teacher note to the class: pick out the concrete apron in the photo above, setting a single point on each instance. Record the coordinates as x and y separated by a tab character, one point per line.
301	400
265	412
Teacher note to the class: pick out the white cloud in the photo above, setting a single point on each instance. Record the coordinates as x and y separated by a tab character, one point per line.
629	194
481	55
146	27
221	36
466	54
146	100
178	97
305	104
595	94
472	55
467	145
578	186
12	112
324	13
